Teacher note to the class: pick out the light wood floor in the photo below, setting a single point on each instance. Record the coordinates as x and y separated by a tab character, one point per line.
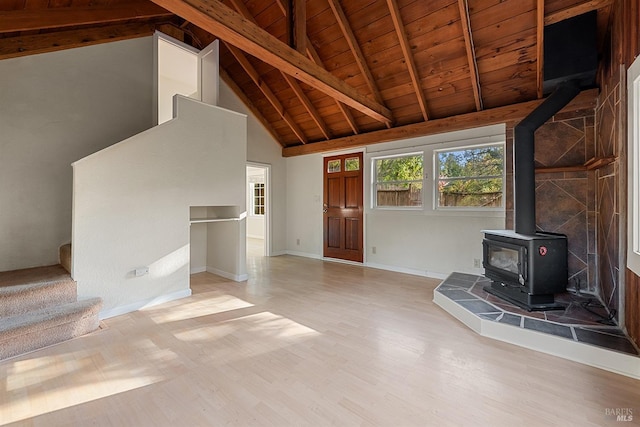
304	342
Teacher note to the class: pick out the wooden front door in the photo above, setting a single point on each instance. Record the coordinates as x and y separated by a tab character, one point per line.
342	207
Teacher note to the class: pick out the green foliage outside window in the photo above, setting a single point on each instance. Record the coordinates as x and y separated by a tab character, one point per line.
399	181
471	177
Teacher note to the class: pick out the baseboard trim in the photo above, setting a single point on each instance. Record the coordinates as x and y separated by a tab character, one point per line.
195	270
412	271
227	275
124	309
304	254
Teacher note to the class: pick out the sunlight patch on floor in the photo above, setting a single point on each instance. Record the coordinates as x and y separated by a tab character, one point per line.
64	382
212	305
252	328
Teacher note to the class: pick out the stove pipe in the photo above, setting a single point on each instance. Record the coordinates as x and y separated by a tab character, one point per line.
523	154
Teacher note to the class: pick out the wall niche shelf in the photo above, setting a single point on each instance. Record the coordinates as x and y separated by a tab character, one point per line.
209	214
591	164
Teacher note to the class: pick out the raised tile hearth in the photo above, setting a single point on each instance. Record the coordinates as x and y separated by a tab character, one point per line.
582	332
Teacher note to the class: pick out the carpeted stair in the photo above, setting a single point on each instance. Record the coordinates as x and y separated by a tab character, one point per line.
39	307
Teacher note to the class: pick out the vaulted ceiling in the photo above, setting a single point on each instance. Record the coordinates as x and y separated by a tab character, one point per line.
329	74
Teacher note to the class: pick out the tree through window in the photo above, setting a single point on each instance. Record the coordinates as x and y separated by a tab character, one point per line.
471	177
399	180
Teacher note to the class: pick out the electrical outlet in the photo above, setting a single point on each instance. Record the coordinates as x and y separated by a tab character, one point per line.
477	263
373	249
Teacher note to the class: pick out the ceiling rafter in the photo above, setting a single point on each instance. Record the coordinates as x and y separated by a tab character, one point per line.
302	97
306	102
62	17
344	25
220	20
13	47
250	105
508	114
268	93
313	55
540	48
578	9
300	25
471	55
408	56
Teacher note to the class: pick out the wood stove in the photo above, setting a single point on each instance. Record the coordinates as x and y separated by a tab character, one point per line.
528	266
526	270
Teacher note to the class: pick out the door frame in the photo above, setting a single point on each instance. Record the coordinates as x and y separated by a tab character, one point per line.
365	199
267	203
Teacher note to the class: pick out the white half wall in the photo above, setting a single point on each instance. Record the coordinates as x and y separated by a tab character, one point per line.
56	108
429	243
263	148
132	201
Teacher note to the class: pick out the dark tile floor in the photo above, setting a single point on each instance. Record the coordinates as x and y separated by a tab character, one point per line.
584	318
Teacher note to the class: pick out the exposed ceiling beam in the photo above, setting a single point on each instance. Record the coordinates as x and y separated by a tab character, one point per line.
268	93
540	48
62	17
313	55
471	54
220	20
13	47
510	114
408	56
250	105
344	25
300	25
578	9
306	102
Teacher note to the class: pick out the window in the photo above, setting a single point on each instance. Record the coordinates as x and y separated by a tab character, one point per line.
633	162
470	177
257	201
398	180
352	164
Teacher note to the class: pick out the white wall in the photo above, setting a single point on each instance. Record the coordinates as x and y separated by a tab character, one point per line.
56	108
262	148
430	243
132	205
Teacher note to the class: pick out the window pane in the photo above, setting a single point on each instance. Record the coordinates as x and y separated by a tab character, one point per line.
399	194
471	177
258	199
399	181
352	164
399	168
473	162
470	192
333	166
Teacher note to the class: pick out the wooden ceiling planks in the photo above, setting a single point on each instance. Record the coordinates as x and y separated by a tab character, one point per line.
410	60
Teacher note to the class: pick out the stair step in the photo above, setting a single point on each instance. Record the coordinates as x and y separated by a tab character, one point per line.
65	257
47	326
49	273
18	297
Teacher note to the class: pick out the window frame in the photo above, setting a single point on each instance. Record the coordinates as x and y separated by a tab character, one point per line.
252	199
633	167
374	181
436	178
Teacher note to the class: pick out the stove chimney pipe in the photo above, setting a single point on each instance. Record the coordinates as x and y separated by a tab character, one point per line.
523	153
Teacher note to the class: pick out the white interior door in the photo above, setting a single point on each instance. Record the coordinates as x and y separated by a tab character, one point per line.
208	74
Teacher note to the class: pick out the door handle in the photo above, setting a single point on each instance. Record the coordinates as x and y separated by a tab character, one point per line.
324	208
